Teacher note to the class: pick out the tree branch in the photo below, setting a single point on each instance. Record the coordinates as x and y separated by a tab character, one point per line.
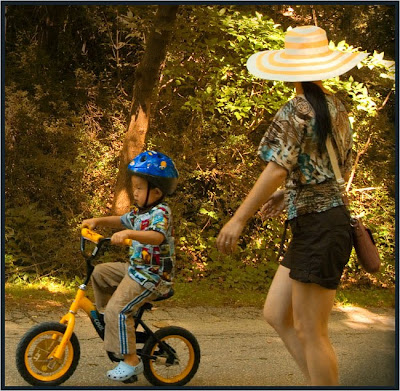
353	171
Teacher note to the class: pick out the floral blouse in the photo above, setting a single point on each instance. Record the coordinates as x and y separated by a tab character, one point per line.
291	142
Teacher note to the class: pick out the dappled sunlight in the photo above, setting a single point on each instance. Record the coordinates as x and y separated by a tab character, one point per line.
361	319
53	287
49	286
38	296
45	305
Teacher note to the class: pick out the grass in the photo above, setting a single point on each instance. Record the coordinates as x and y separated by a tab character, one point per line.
38	296
199	293
202	294
366	297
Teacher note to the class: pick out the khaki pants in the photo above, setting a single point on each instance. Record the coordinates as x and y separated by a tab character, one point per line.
117	295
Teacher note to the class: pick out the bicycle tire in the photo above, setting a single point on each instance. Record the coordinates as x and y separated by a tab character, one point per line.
34	348
161	373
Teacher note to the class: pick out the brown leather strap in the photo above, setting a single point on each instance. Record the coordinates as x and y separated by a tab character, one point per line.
336	170
335	164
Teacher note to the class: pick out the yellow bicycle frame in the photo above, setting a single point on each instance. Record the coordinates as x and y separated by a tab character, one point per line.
80	302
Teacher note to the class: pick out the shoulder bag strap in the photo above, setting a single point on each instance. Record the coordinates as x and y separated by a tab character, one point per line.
335	165
336	169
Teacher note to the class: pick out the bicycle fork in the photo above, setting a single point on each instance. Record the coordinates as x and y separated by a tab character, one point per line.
80	302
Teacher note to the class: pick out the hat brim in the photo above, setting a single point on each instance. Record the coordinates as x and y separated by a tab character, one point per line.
276	65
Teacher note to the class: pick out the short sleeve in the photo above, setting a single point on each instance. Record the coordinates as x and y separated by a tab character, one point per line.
128	219
281	142
159	220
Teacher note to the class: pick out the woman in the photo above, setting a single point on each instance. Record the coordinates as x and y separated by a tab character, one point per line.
302	293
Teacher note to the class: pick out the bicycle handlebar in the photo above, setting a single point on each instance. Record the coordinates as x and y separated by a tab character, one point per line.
94	237
99	240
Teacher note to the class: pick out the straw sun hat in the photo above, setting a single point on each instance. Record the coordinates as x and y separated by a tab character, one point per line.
306	57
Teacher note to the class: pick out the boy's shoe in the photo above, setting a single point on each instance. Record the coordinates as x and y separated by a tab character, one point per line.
125	371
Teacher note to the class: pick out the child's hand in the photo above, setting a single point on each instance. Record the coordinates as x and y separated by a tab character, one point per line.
119	237
89	223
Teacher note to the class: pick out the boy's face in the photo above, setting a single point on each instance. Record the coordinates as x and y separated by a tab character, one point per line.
140	192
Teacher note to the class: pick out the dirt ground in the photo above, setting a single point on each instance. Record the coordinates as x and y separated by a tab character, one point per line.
237	347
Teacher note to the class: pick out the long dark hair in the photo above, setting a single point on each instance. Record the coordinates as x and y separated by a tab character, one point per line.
317	100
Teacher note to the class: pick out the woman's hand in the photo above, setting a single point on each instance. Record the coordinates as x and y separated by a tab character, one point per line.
269	180
274	206
229	235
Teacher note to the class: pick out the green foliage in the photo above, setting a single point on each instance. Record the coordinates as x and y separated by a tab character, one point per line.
64	131
33	245
228	112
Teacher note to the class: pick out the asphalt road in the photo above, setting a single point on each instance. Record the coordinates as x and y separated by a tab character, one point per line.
237	347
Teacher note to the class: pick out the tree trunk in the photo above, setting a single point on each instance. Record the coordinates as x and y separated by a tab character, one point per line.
55	16
146	78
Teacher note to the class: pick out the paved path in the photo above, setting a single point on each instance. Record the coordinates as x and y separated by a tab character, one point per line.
238	348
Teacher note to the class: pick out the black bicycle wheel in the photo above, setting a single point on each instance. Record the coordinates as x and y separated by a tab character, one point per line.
162	368
33	355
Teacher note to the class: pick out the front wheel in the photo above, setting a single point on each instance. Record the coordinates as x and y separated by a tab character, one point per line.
34	355
174	360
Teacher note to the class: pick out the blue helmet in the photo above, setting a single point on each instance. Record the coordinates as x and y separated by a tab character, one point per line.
156	168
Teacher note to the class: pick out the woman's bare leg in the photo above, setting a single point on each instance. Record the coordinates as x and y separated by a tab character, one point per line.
278	312
312	305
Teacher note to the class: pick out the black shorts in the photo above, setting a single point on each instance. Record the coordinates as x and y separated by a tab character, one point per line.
320	247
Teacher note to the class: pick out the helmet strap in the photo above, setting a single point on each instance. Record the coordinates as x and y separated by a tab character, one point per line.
146	207
147	195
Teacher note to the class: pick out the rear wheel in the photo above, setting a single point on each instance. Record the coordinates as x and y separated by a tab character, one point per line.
34	355
175	365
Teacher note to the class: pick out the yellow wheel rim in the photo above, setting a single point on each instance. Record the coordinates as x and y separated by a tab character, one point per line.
38	356
182	366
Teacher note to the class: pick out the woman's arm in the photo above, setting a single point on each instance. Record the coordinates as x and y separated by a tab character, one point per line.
270	179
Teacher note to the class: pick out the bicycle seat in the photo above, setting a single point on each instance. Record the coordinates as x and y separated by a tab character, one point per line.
166	296
149	305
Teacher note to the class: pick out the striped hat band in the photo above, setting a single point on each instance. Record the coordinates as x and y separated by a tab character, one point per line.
306	57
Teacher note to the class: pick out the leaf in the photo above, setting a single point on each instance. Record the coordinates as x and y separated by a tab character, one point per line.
208	213
238	115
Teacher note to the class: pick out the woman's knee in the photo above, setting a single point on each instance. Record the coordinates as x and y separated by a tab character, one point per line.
311	309
276	318
269	315
310	330
278	305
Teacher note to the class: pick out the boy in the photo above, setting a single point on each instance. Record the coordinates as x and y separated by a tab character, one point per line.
121	288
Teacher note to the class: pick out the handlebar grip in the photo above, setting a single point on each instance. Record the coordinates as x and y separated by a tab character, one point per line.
91	235
95	237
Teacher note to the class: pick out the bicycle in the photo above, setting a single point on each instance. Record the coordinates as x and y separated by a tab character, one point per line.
49	352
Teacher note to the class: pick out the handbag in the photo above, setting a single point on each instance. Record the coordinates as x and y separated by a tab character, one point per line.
363	242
